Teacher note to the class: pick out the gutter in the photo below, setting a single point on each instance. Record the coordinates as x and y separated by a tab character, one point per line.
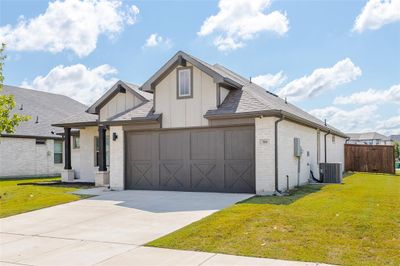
329	132
276	154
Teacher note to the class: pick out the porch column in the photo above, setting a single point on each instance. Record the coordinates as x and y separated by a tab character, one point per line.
67	145
102	148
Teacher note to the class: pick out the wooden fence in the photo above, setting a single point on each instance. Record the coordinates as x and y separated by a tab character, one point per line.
369	158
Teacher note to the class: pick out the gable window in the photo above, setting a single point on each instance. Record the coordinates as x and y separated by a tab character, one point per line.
184	82
96	151
76	142
58	151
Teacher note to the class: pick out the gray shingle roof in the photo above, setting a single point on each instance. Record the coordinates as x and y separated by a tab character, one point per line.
254	98
49	108
367	136
143	111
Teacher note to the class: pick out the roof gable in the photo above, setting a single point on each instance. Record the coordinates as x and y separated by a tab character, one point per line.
119	87
180	59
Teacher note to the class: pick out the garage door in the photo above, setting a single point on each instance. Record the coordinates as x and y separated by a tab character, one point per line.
217	159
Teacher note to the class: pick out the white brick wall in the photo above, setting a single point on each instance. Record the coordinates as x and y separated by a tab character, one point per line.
287	162
86	169
265	150
23	157
117	158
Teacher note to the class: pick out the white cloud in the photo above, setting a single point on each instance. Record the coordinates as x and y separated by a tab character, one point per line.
320	80
156	40
240	20
270	81
377	13
390	126
77	81
360	119
69	25
371	96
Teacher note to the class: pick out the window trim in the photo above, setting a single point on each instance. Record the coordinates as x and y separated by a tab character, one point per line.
178	96
96	152
62	152
74	146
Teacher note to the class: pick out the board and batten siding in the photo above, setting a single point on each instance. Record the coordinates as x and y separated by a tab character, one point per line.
186	112
118	104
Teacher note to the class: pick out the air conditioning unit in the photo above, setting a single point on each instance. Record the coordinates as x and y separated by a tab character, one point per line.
331	172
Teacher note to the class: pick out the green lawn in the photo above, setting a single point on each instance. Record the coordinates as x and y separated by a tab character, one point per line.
23	195
357	223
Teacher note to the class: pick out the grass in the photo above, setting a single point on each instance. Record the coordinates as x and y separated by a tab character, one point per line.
356	223
23	195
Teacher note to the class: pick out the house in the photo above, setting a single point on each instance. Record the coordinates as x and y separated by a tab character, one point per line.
36	148
193	126
369	138
394	138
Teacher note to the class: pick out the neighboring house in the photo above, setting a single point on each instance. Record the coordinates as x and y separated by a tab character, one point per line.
369	138
394	138
198	127
36	148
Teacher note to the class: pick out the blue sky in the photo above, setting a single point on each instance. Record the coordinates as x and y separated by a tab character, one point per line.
311	52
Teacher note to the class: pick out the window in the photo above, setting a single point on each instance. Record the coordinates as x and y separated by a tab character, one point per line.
58	151
333	139
76	142
40	141
96	151
184	82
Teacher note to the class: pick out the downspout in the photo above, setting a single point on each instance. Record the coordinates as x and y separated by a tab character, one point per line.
329	132
276	154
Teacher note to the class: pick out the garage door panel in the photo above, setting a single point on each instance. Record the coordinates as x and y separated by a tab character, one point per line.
239	144
174	145
239	176
206	175
173	175
208	159
204	144
142	175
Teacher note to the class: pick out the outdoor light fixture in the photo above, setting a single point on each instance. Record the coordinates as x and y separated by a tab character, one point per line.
115	136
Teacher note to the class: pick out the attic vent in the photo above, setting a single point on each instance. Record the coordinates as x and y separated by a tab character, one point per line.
37	120
22	107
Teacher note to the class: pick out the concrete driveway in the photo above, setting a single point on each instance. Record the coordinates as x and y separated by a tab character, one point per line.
105	227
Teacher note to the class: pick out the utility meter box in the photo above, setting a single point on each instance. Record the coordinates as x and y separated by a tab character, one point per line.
297	147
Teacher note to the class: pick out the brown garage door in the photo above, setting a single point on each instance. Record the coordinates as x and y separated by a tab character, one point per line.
217	159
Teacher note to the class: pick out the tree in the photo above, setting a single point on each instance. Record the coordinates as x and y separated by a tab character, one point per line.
397	149
8	121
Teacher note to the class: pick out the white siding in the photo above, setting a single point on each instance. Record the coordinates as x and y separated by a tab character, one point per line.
120	103
187	112
23	157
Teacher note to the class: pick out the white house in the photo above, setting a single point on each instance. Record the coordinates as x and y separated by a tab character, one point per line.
193	126
368	138
36	147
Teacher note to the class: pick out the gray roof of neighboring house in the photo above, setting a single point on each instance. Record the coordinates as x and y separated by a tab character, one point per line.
367	136
48	108
395	137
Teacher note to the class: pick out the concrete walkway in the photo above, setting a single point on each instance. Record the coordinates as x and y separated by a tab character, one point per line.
112	228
